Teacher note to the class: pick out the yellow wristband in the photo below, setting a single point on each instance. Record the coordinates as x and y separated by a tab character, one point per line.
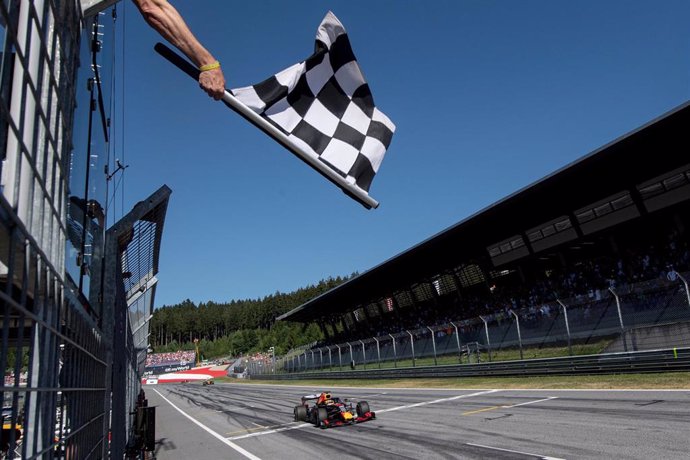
204	68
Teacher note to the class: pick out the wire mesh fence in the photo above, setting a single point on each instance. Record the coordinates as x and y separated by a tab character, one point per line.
54	361
57	336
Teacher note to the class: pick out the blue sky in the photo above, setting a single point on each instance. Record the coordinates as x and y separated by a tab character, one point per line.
487	96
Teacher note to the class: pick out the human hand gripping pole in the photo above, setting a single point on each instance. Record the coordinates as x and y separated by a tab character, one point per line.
276	134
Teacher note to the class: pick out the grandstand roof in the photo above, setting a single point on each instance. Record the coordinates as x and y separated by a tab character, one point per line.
652	150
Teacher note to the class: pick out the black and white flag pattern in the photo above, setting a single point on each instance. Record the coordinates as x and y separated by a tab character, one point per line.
325	107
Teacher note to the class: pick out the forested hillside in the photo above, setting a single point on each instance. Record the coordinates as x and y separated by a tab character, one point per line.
239	326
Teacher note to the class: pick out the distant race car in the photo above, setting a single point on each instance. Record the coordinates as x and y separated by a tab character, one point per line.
208	382
328	411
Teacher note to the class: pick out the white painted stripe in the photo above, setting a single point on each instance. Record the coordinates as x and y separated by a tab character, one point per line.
532	402
247	454
436	401
486	409
261	433
514	451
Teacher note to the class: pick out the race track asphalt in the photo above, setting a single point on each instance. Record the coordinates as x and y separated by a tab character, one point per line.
236	421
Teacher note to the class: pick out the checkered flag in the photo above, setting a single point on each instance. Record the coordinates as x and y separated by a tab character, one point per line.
320	109
325	108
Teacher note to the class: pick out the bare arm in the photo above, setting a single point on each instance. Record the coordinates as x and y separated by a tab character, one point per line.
168	22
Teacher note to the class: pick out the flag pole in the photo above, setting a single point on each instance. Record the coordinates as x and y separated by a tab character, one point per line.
279	136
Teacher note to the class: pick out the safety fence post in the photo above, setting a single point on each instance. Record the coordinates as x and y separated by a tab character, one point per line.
486	331
433	343
457	339
395	354
517	323
567	325
340	358
620	319
685	282
412	343
352	356
364	355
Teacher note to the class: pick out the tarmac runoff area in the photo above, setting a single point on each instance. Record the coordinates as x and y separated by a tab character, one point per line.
236	421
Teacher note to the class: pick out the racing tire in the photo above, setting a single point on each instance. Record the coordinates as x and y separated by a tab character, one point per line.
362	408
321	416
300	413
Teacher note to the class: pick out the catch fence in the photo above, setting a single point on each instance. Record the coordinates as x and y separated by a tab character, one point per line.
643	316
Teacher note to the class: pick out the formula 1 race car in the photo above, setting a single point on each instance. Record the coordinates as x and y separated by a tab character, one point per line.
328	411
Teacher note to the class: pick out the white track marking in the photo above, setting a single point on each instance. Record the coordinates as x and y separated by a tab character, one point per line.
542	457
210	431
258	428
261	433
486	409
533	402
437	401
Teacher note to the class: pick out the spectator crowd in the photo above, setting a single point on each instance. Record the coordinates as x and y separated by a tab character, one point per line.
170	359
586	279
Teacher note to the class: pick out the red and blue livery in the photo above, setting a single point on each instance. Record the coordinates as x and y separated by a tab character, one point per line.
328	411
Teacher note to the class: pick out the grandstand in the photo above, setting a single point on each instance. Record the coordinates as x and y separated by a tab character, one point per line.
598	249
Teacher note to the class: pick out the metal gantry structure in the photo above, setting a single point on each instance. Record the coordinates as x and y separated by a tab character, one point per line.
76	291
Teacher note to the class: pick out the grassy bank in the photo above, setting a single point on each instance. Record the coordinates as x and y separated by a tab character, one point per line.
660	381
